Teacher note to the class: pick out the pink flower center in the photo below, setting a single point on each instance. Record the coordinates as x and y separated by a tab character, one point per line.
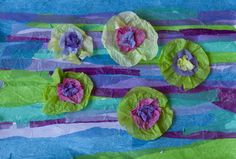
129	38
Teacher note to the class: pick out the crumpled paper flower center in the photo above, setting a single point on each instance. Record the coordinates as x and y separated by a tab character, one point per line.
146	113
71	42
184	63
129	38
70	91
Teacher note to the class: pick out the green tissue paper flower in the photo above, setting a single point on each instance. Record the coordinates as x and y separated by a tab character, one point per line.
184	63
133	98
53	103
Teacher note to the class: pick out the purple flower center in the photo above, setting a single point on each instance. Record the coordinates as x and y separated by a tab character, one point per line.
69	90
183	58
145	112
71	42
127	39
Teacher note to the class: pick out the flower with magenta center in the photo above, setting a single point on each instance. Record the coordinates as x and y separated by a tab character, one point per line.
69	92
145	113
129	39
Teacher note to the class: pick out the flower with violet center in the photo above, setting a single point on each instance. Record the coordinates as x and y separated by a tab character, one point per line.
184	63
70	43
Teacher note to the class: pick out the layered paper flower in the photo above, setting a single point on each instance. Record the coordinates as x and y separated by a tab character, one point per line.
145	113
70	43
184	63
129	39
69	92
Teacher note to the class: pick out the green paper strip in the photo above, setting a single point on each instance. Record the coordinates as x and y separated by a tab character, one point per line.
180	27
214	57
212	149
222	57
99	27
22	87
85	27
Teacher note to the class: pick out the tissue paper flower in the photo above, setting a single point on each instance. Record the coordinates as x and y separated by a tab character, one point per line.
145	113
69	91
129	39
70	43
184	63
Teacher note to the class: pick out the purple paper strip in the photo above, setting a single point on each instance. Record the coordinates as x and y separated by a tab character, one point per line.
118	93
196	35
5	125
201	135
21	38
211	16
206	17
105	70
34	124
192	32
227	99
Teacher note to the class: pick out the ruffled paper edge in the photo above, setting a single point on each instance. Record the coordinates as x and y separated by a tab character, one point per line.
170	50
53	105
53	45
130	101
146	51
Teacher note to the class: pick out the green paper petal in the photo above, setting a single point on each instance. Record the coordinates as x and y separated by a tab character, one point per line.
130	101
53	45
147	51
53	105
170	50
